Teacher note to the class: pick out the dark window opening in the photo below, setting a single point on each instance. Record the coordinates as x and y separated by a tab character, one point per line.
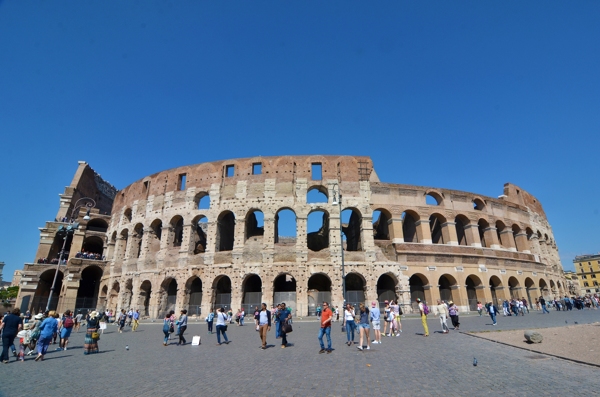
181	182
256	168
316	172
230	170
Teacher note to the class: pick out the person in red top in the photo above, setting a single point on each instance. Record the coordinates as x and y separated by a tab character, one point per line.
326	317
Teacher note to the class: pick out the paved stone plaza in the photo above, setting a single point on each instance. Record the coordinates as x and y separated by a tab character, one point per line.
407	365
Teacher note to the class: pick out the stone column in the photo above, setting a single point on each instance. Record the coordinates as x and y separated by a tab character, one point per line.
76	244
491	237
423	231
144	248
522	244
472	235
395	229
166	237
187	245
449	233
301	241
508	239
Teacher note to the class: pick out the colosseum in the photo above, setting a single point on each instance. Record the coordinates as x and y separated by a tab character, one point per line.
294	229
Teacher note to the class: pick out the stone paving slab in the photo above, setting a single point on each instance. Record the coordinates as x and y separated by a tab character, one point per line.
409	365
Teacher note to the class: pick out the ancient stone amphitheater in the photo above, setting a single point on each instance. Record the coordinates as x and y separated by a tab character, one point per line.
239	232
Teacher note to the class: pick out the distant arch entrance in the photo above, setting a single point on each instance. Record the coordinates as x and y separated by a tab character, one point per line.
386	289
42	292
284	290
252	293
319	291
355	289
222	287
89	286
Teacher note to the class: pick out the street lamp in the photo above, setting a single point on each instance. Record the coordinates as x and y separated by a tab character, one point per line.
69	230
337	200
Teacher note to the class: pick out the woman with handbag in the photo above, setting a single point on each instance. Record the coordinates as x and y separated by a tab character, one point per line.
284	317
221	326
90	343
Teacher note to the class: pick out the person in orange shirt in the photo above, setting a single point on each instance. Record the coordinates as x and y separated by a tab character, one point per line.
326	317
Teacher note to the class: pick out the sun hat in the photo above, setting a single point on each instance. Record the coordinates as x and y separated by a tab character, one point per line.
450	302
38	316
386	301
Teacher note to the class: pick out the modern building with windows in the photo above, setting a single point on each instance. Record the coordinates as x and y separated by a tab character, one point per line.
587	268
239	232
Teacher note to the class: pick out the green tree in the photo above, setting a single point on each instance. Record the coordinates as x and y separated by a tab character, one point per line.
8	293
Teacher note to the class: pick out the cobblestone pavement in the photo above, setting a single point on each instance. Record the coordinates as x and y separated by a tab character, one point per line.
440	365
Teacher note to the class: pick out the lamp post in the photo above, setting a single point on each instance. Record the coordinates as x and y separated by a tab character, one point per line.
337	200
69	230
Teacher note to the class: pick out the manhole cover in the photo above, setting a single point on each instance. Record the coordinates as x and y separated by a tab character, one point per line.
537	357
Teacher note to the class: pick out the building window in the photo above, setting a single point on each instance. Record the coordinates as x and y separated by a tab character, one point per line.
181	182
585	284
229	170
584	276
316	171
593	276
256	168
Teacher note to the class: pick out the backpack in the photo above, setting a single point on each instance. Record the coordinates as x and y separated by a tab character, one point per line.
425	309
68	323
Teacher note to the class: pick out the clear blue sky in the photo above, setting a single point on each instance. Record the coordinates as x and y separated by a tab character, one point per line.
463	95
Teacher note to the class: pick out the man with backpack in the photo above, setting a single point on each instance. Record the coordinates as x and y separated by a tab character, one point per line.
424	310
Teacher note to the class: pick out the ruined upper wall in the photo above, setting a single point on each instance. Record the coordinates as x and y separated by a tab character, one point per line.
517	195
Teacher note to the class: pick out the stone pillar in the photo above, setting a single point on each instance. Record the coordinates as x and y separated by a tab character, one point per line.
472	235
449	233
431	294
76	244
423	231
145	247
269	234
522	244
335	238
395	229
491	237
187	245
267	292
301	241
508	239
166	237
534	244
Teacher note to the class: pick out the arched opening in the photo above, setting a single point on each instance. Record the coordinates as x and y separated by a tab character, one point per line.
516	231
478	204
447	286
433	198
97	225
316	194
252	293
155	236
544	291
127	215
255	224
352	229
225	231
513	287
418	284
461	223
127	295
482	226
144	297
113	297
318	230
381	219
284	290
193	290
42	292
122	244
319	291
89	286
496	288
386	289
113	243
57	245
200	225
355	289
552	287
92	247
435	225
202	201
500	230
409	227
474	291
168	296
285	227
136	243
177	225
102	298
530	287
222	291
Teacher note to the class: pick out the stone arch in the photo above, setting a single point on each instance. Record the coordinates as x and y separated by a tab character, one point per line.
284	290
167	298
461	222
136	241
447	285
285	226
176	224
122	243
89	286
255	224
251	293
193	296
222	292
352	229
436	221
127	215
113	297
319	291
127	295
381	219
202	201
496	289
93	245
478	204
483	225
42	291
544	290
355	288
514	287
433	197
500	228
155	236
386	288
409	227
57	245
103	298
318	240
199	234
529	288
225	231
97	225
144	297
475	292
317	194
419	289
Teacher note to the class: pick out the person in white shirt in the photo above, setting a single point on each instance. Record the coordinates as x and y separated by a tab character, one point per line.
349	324
441	310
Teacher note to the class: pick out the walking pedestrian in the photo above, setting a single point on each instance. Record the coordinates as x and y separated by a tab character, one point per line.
135	318
479	308
337	314
264	324
221	326
182	322
78	318
284	316
424	310
256	318
453	311
121	320
66	324
90	344
493	311
388	320
209	320
48	329
363	326
10	327
543	303
326	317
167	328
375	315
397	313
35	332
441	310
349	324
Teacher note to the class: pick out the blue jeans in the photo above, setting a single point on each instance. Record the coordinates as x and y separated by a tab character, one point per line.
221	330
241	320
350	328
166	340
327	332
493	316
277	329
544	310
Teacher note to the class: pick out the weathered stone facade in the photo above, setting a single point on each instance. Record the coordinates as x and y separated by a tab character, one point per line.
164	250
